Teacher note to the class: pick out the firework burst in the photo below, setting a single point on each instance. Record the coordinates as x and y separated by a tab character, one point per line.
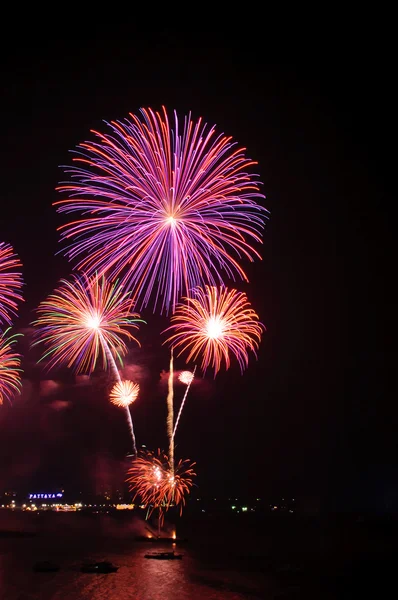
178	484
124	393
152	478
186	377
166	207
215	323
146	476
10	283
83	319
10	371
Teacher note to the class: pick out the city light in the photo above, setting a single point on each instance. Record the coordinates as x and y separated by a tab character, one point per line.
44	496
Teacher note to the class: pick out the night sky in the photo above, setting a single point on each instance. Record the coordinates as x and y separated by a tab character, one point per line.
317	413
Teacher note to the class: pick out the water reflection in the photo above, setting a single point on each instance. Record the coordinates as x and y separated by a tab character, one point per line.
137	577
217	563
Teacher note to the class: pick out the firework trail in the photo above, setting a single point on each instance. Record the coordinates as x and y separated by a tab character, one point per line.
123	394
166	207
216	323
10	283
120	383
170	412
186	377
10	371
82	319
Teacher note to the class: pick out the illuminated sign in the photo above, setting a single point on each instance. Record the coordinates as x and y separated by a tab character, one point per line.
44	496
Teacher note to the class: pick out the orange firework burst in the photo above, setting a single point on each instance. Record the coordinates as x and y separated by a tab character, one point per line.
186	377
177	485
84	318
152	479
10	283
124	393
10	372
146	475
215	323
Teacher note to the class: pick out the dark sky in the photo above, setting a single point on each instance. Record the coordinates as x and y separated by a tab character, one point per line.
317	412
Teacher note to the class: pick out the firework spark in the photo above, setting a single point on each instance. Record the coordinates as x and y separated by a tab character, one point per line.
10	371
186	377
158	485
10	283
165	207
124	393
215	323
83	319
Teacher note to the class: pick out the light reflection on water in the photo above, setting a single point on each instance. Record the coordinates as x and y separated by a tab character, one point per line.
137	578
223	560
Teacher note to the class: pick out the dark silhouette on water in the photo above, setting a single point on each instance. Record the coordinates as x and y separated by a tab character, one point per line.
99	567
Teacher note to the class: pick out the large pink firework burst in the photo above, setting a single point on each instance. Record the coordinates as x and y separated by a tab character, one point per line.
165	207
